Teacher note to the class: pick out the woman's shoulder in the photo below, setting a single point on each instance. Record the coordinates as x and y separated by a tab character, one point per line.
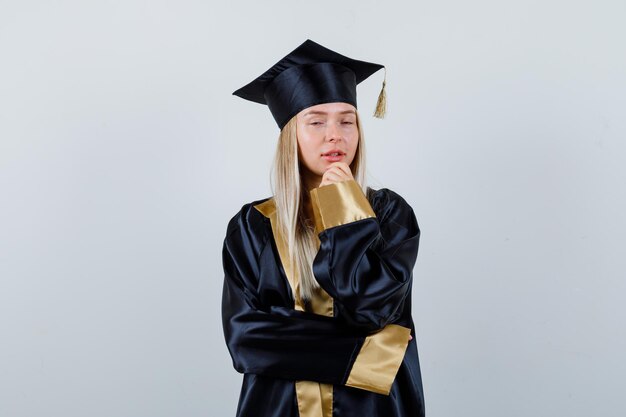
393	210
250	218
384	200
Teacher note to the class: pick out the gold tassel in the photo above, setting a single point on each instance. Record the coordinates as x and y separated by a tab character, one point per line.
381	104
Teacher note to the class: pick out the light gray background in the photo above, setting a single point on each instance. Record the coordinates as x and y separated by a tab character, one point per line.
123	155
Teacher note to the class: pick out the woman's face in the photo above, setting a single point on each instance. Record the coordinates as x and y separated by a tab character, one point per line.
324	128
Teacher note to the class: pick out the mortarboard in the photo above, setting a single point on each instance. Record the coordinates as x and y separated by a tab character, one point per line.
310	74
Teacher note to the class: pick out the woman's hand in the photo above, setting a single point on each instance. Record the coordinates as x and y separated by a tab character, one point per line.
336	172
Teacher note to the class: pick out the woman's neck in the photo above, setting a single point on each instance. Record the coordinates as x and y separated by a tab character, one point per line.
310	181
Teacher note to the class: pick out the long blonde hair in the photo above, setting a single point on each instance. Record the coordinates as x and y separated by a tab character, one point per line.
288	192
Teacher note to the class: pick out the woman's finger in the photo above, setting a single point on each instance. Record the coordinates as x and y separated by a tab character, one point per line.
341	171
345	169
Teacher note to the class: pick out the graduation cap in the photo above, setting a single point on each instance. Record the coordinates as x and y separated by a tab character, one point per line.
310	74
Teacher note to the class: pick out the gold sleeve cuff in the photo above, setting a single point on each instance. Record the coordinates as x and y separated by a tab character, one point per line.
379	359
339	203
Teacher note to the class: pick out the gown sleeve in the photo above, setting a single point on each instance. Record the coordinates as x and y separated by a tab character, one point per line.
366	258
286	343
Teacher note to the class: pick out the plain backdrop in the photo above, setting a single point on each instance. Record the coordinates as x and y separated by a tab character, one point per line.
123	154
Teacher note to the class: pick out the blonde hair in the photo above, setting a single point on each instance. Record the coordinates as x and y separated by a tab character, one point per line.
288	192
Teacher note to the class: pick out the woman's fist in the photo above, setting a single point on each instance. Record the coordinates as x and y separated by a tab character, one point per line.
336	172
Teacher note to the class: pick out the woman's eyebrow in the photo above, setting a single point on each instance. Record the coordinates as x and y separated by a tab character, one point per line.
323	112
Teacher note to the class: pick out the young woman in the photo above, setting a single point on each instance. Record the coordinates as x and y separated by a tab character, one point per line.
316	303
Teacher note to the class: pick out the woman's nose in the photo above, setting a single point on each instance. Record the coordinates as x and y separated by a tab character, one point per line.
333	132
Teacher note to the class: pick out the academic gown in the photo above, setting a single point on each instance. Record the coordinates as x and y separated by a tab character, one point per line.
346	353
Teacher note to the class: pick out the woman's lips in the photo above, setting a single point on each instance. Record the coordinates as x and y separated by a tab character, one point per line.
333	158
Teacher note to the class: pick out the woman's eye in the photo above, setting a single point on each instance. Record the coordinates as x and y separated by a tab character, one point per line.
347	123
316	123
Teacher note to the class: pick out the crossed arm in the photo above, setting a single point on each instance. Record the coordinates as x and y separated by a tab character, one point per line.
369	281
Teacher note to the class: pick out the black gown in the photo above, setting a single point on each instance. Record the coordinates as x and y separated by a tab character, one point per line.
348	353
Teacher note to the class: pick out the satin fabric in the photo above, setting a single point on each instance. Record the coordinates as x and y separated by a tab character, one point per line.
366	266
310	74
314	399
303	86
